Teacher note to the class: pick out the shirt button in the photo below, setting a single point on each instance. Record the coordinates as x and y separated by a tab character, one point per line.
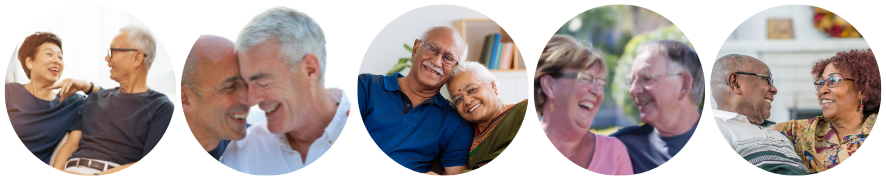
408	105
330	142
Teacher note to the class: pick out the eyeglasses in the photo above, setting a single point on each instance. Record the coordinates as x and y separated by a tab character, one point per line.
768	77
833	80
111	51
585	79
470	91
644	80
434	51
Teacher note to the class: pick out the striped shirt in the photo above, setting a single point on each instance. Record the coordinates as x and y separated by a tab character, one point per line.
760	145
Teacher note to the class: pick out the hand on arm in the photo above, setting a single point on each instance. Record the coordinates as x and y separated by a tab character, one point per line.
454	170
68	87
67	149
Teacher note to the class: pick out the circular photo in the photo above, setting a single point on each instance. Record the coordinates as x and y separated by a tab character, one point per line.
619	90
260	105
796	90
90	98
442	90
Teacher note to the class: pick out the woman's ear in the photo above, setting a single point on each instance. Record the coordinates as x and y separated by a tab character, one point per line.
29	63
547	86
494	88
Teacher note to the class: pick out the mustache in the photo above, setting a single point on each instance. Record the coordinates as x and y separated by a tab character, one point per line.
437	69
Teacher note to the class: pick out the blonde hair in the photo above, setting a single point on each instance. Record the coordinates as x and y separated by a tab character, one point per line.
563	52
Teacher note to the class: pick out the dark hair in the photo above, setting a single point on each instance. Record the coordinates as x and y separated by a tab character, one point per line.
862	65
29	47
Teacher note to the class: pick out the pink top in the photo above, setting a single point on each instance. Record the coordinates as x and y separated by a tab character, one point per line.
610	157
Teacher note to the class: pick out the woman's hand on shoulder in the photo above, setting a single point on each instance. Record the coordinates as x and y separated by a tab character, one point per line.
69	86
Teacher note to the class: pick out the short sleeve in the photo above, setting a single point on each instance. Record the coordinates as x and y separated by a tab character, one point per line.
77	123
455	153
623	159
362	95
157	126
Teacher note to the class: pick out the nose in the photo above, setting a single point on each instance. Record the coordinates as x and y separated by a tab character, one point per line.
108	57
255	95
636	89
773	90
823	90
242	96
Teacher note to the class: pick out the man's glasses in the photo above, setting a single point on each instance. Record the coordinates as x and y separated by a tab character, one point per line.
768	77
833	80
111	51
585	79
644	80
433	52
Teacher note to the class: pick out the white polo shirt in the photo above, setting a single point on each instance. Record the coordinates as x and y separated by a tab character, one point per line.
265	153
761	146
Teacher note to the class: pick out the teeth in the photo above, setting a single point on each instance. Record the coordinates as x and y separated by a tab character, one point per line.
53	69
237	115
767	100
269	111
588	105
475	107
429	66
825	101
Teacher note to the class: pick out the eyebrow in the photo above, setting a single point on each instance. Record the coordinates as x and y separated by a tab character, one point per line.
258	76
231	79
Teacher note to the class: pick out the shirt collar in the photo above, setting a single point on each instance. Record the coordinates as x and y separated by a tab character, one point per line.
391	84
729	116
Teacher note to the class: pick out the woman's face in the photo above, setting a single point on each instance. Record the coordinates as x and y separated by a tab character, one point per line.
47	64
577	100
475	100
841	99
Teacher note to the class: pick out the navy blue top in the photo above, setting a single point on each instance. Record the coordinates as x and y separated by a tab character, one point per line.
431	130
40	124
121	127
648	149
220	149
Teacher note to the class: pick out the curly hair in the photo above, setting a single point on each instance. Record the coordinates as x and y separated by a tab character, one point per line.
560	53
862	65
29	47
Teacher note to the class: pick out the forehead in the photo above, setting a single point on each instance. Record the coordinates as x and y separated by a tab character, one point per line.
264	57
651	61
49	46
446	40
120	40
830	68
217	68
462	79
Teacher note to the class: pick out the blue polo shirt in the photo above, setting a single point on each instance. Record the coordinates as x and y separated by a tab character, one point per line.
431	130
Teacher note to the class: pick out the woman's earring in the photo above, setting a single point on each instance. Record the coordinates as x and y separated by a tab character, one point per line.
860	105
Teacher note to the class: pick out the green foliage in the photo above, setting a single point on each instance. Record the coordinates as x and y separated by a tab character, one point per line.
403	63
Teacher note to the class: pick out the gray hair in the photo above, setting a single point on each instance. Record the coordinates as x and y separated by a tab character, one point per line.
723	67
189	72
143	40
297	35
478	70
464	53
682	59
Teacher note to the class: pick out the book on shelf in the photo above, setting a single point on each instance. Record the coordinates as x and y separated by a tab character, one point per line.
507	56
486	55
496	51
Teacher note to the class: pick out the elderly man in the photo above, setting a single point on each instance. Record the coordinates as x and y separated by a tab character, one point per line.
667	86
282	57
121	125
408	118
742	87
214	95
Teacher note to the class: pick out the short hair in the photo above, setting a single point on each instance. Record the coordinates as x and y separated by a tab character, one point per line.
464	53
478	70
189	72
682	58
723	67
862	65
144	41
297	35
29	47
563	52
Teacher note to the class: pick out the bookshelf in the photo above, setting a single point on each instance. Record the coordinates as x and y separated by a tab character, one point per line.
474	32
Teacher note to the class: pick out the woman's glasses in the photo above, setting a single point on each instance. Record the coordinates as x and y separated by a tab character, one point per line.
585	79
469	91
833	80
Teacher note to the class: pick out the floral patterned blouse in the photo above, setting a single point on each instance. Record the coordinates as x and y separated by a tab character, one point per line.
816	141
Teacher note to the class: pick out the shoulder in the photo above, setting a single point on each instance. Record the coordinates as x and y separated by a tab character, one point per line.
795	124
632	130
370	78
610	142
13	88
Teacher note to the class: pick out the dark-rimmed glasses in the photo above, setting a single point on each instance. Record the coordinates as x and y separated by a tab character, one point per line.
833	80
768	77
111	51
584	78
434	51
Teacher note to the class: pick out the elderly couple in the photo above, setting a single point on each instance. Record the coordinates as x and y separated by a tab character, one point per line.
101	132
278	64
417	127
667	86
848	90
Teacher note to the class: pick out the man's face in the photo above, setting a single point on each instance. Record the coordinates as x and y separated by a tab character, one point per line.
222	108
121	62
759	94
275	87
431	70
656	93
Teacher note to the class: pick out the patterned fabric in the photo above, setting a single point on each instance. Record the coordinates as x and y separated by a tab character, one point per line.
816	141
489	144
760	145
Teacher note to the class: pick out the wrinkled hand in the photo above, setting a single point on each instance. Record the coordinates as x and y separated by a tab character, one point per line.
69	87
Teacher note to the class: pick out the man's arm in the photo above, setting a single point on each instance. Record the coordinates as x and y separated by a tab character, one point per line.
67	149
454	170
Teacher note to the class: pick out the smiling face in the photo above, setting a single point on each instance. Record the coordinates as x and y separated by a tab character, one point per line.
657	98
759	94
47	64
276	87
474	100
578	102
430	70
122	64
222	108
840	99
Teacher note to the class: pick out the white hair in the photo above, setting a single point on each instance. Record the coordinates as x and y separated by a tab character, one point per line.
464	53
143	40
297	35
479	71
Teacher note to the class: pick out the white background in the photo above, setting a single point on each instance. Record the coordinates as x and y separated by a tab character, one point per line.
351	26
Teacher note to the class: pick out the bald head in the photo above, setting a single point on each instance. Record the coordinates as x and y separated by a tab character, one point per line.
446	30
742	84
208	52
726	66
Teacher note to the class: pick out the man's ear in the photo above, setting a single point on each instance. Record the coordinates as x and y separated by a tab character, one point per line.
311	65
186	103
415	46
686	87
547	86
732	82
138	59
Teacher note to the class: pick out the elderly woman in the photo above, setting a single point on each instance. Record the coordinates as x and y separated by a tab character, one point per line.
848	87
569	83
475	96
41	117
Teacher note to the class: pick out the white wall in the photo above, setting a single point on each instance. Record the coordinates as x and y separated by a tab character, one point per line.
86	33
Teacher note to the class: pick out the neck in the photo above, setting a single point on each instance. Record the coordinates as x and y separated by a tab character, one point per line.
40	89
136	83
567	141
415	91
502	108
848	124
324	111
748	112
686	118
